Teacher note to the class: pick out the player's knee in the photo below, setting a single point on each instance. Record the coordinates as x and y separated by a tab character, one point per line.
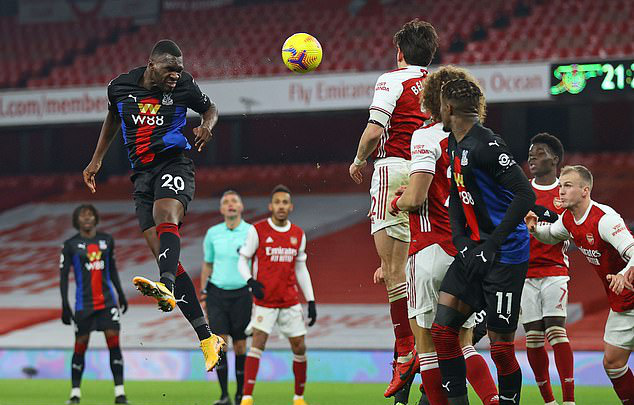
80	347
240	347
112	341
556	334
503	355
611	363
298	348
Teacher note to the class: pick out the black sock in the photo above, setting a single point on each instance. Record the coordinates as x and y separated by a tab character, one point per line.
510	386
223	375
77	369
169	252
240	359
116	365
187	301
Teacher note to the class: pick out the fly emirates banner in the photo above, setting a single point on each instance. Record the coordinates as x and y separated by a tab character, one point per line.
281	94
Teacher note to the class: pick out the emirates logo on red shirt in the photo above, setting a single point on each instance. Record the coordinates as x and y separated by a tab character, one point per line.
590	238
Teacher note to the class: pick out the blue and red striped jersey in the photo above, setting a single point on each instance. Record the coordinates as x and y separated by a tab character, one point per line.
152	121
477	162
93	264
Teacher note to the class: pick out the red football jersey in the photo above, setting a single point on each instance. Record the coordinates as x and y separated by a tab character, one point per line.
430	224
548	260
602	237
396	96
274	263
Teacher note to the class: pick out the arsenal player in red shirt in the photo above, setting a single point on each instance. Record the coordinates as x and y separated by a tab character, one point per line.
601	235
278	250
545	293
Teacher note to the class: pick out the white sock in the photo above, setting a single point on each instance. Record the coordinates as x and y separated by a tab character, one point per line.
297	397
118	390
247	397
569	403
75	392
552	403
406	358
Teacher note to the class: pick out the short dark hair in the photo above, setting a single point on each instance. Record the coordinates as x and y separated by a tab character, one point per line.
582	171
434	82
465	95
165	46
78	211
418	41
552	142
280	188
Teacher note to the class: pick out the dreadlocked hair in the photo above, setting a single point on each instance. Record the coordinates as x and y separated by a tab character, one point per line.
465	96
430	96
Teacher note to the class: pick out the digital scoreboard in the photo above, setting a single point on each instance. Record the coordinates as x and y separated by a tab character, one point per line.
605	77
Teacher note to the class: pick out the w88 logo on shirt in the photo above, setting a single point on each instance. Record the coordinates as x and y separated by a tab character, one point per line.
148	115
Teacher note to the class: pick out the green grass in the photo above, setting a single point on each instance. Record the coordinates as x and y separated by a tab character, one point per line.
52	392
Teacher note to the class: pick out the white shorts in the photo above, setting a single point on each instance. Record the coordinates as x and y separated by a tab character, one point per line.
425	271
289	321
619	329
544	296
389	174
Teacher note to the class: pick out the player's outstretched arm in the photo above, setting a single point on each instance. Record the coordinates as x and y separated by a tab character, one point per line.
203	133
367	144
108	130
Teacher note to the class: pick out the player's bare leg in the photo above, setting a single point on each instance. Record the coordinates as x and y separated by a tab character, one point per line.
77	367
615	365
298	346
393	254
184	289
258	343
116	364
553	329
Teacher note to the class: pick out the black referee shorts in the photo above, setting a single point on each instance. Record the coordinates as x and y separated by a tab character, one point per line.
499	293
100	320
173	178
229	311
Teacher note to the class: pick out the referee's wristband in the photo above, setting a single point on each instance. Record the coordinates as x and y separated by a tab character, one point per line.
358	162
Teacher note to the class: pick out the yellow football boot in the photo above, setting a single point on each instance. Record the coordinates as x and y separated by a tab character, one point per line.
156	290
299	401
211	347
247	400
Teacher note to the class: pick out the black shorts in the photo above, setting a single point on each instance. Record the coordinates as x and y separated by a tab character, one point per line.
173	178
101	320
498	293
229	311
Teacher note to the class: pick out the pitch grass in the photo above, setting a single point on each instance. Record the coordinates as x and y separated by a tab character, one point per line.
55	392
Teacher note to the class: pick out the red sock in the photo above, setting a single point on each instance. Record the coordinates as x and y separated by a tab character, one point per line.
397	296
251	366
299	370
538	360
564	361
432	380
479	376
623	382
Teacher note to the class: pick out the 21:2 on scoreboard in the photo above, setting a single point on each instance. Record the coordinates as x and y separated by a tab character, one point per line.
594	78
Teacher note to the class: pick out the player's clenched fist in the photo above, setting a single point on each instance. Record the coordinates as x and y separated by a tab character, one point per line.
89	175
203	135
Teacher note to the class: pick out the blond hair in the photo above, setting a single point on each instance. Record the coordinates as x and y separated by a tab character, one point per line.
582	171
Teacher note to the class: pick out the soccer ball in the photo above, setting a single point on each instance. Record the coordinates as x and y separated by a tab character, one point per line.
301	53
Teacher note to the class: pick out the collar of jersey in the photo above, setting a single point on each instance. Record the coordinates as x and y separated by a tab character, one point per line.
585	214
547	187
284	228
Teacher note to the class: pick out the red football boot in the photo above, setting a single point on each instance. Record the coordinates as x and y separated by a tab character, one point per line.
402	372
